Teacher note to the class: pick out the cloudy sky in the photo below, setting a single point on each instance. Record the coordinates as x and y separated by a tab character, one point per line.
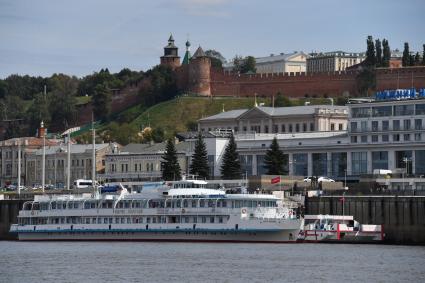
78	37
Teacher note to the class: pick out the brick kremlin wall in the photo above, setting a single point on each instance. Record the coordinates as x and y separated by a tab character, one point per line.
302	84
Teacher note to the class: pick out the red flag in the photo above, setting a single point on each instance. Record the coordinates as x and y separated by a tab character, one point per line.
275	180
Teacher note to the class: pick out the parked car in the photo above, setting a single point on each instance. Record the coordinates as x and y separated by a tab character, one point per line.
319	179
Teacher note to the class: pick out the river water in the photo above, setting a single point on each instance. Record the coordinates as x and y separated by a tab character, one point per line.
201	262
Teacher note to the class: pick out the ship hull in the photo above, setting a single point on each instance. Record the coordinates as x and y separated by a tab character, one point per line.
282	236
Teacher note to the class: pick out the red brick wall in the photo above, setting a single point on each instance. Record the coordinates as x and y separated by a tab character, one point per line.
300	84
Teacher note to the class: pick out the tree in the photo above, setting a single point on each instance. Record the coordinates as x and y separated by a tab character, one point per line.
231	167
274	159
171	167
423	55
199	165
378	53
3	89
417	59
102	101
406	55
282	101
217	59
158	135
248	65
366	80
37	112
411	60
62	104
386	53
237	64
370	52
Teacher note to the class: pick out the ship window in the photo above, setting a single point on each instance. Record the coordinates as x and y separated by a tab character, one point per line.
220	219
87	220
195	219
212	219
75	204
202	203
148	220
193	203
204	219
117	220
99	221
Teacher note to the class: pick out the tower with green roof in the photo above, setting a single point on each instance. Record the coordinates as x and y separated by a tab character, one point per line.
187	55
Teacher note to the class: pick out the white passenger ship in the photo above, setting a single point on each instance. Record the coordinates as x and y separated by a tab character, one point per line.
179	211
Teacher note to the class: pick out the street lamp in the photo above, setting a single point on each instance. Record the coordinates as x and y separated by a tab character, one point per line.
406	164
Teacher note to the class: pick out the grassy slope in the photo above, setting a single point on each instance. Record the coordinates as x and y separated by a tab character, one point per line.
174	115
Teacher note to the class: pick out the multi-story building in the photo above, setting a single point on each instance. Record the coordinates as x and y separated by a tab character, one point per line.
9	157
388	135
297	119
56	163
283	63
136	162
333	61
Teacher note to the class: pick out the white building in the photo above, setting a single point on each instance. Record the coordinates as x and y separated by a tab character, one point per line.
297	119
56	163
333	61
283	63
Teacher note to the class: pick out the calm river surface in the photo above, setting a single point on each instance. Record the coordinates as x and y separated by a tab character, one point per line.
193	262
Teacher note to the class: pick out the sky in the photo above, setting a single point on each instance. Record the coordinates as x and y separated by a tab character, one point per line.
79	37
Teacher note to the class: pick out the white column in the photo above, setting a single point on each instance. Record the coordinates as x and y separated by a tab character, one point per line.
309	164
391	160
254	164
369	162
349	161
291	164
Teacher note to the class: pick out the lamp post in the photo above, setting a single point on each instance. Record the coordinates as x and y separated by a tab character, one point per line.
405	160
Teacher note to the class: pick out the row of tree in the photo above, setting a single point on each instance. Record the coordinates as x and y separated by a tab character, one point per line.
410	59
231	166
377	54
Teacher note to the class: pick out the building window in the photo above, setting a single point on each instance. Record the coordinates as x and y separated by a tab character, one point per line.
385	125
320	164
418	124
364	126
379	160
420	161
290	128
382	111
244	128
266	129
340	127
403	110
374	138
275	128
332	127
312	127
261	169
338	164
300	164
246	164
385	138
420	109
353	127
305	127
406	137
396	125
418	137
406	124
354	139
374	126
359	163
363	139
297	128
403	160
283	128
396	137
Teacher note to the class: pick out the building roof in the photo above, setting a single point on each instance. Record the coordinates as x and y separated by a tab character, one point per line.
186	58
28	141
276	111
280	57
152	148
272	58
232	114
199	53
75	148
211	134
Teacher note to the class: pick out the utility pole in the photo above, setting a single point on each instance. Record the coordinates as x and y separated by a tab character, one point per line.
43	159
19	167
93	174
68	161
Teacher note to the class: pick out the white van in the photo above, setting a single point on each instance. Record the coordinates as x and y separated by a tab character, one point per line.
83	184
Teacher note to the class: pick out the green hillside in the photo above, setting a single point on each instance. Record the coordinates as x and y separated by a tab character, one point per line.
175	115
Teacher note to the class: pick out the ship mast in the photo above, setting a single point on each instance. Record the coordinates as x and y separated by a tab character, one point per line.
19	167
43	159
93	173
